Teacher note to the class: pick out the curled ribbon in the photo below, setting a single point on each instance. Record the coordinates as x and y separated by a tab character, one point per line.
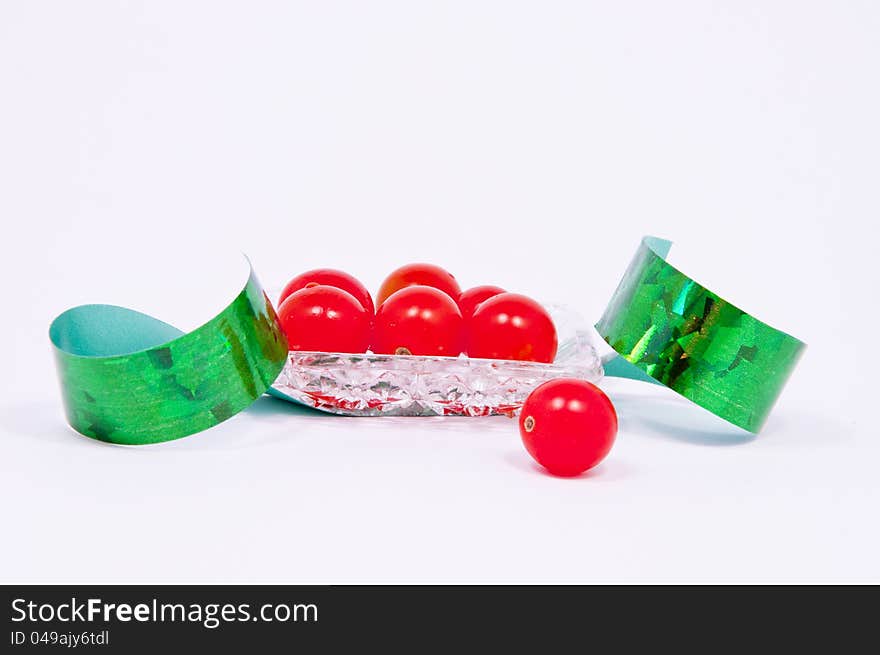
128	378
665	327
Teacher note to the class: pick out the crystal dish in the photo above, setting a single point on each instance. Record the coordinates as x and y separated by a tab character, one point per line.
409	385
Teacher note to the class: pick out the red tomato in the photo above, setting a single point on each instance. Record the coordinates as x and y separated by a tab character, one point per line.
468	300
511	326
568	426
325	319
418	320
424	274
333	278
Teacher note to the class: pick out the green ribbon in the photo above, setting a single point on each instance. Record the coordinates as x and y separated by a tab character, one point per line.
128	378
667	328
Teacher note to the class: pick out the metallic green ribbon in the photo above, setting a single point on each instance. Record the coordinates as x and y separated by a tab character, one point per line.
667	328
128	378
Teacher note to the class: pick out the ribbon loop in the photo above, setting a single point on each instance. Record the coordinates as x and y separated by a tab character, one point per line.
665	326
128	378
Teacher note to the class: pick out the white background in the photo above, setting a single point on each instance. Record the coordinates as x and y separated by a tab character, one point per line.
143	146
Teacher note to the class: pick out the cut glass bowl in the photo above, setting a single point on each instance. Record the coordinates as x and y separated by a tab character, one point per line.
409	385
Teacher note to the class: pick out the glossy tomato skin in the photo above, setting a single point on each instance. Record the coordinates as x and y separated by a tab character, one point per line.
418	320
568	426
428	275
512	326
469	299
333	278
325	319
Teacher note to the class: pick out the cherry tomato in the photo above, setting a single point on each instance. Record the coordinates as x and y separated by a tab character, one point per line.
512	326
418	320
468	300
333	278
568	426
325	319
424	274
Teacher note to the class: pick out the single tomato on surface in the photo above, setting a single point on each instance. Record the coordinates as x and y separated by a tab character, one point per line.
325	319
568	426
469	299
418	320
511	326
418	274
333	278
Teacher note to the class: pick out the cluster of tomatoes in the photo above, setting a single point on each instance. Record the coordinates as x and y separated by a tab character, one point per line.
420	310
567	425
